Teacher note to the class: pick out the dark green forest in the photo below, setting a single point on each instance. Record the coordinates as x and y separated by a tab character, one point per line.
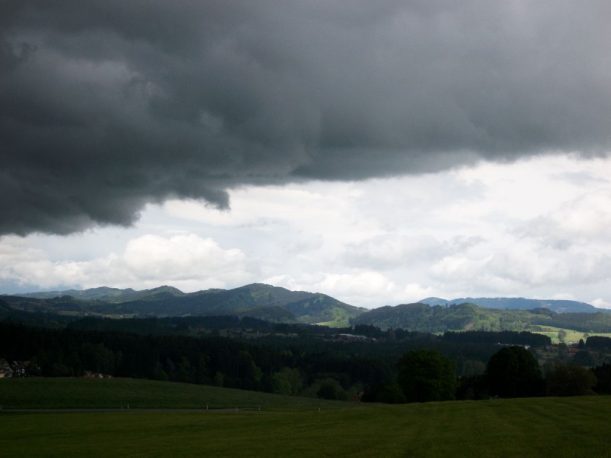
274	340
361	363
279	305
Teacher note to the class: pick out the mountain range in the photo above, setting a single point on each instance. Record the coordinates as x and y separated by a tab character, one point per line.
276	304
516	303
256	300
471	317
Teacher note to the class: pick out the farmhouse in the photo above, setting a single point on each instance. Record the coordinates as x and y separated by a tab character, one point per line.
5	369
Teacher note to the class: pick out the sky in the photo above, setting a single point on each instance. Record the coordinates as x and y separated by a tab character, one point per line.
380	153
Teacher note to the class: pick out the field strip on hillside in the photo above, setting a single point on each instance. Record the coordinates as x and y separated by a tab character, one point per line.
556	427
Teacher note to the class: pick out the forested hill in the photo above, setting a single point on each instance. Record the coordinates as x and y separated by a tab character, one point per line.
110	295
280	305
466	317
255	300
517	303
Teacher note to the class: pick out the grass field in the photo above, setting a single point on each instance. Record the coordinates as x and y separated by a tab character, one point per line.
519	427
570	335
51	393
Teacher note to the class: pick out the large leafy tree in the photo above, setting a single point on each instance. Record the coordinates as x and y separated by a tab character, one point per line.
569	380
426	375
514	372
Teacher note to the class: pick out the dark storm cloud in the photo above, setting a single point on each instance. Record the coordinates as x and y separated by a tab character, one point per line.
108	105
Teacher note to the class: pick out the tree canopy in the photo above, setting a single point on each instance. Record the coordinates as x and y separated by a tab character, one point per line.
514	372
426	375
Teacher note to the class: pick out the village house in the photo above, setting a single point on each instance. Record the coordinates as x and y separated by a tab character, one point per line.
5	369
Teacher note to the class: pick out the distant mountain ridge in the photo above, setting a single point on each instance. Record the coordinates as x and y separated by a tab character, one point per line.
256	300
471	317
280	305
517	303
106	294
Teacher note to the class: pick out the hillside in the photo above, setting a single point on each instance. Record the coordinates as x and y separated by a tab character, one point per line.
425	318
256	300
517	303
465	317
64	393
110	295
560	427
280	305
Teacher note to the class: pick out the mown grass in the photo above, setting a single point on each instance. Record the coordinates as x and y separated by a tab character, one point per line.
50	393
289	426
521	428
570	335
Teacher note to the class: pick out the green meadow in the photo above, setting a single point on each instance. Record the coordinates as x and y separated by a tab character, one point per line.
290	426
54	393
570	336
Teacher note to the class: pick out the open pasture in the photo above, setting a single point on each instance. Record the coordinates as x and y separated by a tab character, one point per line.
515	427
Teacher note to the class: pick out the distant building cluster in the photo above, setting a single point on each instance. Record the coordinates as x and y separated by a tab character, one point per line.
352	338
13	368
89	374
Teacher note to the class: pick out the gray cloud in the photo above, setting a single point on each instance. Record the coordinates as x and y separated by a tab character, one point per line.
108	105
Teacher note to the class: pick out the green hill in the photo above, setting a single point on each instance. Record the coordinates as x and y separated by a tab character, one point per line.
280	305
517	303
257	300
559	427
111	295
424	318
63	393
470	317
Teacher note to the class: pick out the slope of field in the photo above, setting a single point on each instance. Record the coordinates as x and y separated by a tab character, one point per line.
516	303
54	393
470	317
564	335
519	427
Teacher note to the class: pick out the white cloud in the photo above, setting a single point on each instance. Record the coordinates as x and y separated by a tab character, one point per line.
414	292
581	220
25	265
186	261
391	250
368	284
361	288
602	303
180	257
327	209
537	227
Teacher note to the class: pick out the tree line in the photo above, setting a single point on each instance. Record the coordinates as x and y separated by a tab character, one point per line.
407	367
511	372
206	360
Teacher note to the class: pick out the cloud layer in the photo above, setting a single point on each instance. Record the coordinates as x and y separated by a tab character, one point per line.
533	228
186	261
108	105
